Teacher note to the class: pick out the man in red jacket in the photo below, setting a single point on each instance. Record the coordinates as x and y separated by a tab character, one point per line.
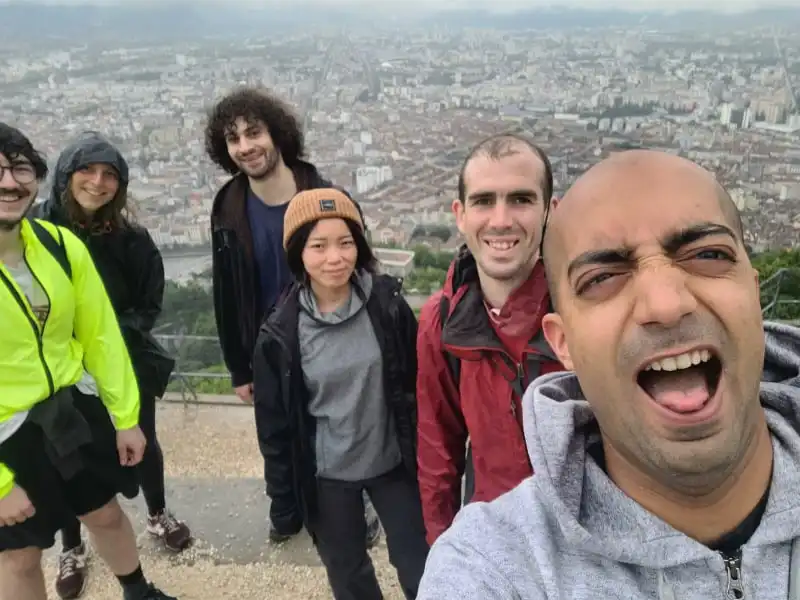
480	342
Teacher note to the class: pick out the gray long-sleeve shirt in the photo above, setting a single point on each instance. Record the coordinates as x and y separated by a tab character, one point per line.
343	369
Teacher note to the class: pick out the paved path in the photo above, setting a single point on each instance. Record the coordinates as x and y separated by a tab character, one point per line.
215	482
230	516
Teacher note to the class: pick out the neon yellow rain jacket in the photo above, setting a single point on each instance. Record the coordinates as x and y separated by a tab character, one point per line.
80	330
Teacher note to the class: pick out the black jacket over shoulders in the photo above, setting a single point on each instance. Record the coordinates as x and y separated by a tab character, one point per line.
236	305
129	263
284	424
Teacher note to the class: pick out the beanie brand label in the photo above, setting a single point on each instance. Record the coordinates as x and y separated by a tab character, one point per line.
327	205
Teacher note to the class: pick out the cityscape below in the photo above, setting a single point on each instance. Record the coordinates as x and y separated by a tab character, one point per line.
390	112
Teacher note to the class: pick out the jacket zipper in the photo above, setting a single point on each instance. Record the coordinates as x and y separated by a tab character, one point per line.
39	334
521	383
734	590
519	379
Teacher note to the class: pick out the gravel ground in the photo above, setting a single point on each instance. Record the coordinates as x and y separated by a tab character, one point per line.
219	442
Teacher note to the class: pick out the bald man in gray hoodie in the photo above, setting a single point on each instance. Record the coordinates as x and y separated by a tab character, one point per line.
668	463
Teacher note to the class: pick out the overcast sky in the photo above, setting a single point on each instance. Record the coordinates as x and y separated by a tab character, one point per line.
501	5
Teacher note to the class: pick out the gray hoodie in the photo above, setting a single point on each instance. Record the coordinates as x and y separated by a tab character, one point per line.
569	533
343	369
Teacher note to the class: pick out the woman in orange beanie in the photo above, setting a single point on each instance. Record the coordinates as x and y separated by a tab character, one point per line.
334	394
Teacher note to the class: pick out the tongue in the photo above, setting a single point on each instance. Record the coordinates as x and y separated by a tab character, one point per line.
682	391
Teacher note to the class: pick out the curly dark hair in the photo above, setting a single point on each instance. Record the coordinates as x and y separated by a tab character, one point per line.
15	144
253	104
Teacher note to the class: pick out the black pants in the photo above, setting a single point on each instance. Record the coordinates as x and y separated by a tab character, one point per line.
339	531
150	472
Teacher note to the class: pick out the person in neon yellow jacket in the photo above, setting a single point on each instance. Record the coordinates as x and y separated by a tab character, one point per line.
62	451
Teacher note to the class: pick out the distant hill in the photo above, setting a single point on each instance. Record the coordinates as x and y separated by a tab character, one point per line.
143	20
561	18
140	20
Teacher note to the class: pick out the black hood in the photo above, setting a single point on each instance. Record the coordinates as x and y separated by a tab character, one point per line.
91	147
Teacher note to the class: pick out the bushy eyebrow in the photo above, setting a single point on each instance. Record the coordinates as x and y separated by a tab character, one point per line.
672	243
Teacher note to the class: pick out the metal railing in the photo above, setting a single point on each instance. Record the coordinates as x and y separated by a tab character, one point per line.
774	303
191	351
187	376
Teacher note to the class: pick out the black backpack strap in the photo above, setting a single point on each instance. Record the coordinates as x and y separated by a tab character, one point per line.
452	362
54	247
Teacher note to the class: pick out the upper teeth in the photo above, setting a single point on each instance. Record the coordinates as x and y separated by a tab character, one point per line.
683	361
501	245
8	197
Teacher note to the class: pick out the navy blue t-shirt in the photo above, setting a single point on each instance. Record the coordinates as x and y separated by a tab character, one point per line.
266	226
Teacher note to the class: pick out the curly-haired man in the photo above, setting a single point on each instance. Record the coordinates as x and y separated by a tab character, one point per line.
255	136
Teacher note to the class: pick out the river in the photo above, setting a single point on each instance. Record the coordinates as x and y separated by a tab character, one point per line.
181	268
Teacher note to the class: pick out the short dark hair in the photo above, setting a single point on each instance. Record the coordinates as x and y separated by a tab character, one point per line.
253	104
501	145
365	258
14	143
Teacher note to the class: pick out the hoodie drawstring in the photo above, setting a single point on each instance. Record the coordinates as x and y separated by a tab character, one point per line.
665	591
794	571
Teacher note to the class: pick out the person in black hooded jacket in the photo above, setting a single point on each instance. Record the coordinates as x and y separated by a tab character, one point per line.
89	195
335	375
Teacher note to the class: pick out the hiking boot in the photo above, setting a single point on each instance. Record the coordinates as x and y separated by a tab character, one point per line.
174	533
278	538
150	593
72	573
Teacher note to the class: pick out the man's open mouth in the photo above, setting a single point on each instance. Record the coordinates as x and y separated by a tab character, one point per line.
684	383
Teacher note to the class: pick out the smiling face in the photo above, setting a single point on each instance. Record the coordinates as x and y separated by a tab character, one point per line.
502	214
659	315
330	254
251	148
94	186
18	188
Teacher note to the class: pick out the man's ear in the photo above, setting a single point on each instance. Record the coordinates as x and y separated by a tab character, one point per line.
553	329
458	210
554	203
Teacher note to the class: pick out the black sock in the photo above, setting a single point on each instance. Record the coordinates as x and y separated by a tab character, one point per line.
134	584
71	536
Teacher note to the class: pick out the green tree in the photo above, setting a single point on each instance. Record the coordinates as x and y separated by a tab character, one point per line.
779	275
189	311
424	257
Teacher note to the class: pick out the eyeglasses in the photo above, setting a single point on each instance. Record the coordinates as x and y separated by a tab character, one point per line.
22	173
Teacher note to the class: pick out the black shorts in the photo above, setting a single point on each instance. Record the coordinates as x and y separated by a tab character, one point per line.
57	500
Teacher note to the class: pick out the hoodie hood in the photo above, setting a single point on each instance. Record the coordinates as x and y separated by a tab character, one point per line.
91	147
599	519
360	290
463	269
